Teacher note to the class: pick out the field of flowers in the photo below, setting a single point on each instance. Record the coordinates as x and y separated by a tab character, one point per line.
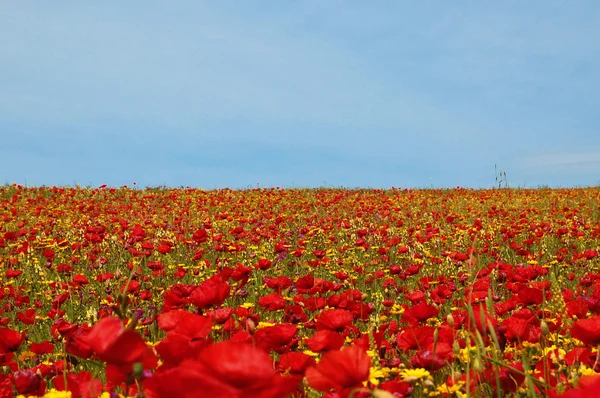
304	293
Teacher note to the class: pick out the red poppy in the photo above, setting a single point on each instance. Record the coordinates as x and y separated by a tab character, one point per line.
415	338
10	340
340	370
211	292
221	370
263	264
28	382
295	363
278	338
531	296
590	254
272	302
305	283
45	347
114	344
6	388
420	313
80	384
185	323
279	284
220	315
399	389
325	340
336	320
587	330
588	387
433	360
578	308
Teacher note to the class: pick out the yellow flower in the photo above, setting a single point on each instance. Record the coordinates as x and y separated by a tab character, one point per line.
375	374
310	353
445	389
264	325
247	305
410	375
25	355
57	394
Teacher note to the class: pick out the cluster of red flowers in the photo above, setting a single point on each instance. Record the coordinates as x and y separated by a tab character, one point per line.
275	293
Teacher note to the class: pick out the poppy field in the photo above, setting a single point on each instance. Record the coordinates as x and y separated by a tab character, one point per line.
156	292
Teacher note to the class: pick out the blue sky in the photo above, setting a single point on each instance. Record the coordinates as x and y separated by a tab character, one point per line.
300	93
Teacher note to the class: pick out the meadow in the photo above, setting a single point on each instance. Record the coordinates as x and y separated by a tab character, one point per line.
299	292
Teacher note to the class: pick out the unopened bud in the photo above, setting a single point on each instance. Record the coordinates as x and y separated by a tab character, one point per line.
382	394
456	347
427	383
250	325
138	369
477	365
545	328
450	320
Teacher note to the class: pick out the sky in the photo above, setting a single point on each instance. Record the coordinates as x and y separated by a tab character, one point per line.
216	94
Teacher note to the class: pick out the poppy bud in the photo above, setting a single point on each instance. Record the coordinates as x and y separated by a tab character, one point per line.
545	328
27	381
456	347
250	325
138	370
450	320
477	365
382	394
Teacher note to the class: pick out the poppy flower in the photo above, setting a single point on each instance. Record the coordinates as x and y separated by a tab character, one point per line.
77	343
295	314
588	387
340	370
220	315
279	284
278	338
432	360
578	308
420	313
80	384
590	254
272	302
114	344
10	340
221	370
587	330
399	389
414	338
305	283
263	264
28	382
6	387
176	347
531	296
182	322
45	347
211	292
295	363
483	319
27	317
336	320
325	340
